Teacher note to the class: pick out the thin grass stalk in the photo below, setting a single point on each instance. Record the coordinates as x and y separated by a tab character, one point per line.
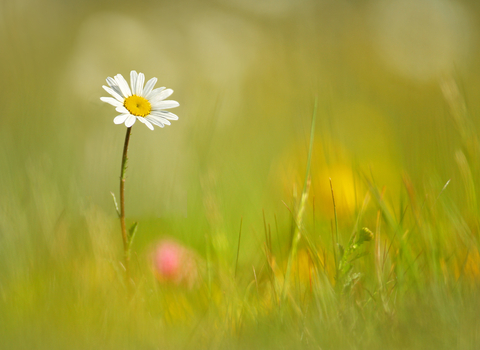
238	247
301	209
335	238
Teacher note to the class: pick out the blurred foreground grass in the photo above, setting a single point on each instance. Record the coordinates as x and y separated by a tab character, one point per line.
396	132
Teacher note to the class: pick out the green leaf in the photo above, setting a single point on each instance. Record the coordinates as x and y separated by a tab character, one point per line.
131	233
115	203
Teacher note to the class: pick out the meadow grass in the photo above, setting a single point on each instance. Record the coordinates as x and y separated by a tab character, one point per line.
357	231
398	273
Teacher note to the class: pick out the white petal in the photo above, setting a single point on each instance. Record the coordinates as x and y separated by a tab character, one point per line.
146	122
120	119
122	109
165	114
155	120
140	82
113	84
150	126
111	81
130	120
161	95
113	93
149	86
123	85
133	80
154	92
165	105
159	119
111	100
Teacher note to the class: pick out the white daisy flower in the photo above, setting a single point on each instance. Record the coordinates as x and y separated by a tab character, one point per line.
146	104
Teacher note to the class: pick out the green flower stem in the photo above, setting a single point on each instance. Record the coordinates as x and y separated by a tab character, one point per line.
126	245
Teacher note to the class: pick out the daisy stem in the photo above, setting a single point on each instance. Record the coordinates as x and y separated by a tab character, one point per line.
126	245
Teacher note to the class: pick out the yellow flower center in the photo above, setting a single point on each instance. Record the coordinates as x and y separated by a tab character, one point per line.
137	105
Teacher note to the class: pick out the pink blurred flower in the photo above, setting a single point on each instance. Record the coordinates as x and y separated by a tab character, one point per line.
174	263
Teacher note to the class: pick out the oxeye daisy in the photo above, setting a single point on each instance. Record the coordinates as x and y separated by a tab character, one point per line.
149	106
146	104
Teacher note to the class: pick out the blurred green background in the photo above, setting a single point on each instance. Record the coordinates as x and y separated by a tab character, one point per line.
396	84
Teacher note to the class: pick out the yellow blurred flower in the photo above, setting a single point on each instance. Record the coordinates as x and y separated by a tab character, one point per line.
329	161
469	268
